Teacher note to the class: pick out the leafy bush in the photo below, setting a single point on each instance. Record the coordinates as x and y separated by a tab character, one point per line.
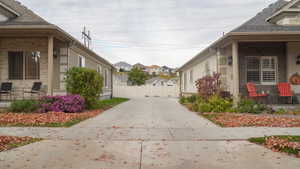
250	106
85	82
214	104
24	106
67	104
209	85
191	99
186	100
182	100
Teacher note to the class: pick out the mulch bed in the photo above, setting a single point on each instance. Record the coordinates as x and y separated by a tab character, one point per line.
9	142
41	119
249	120
285	144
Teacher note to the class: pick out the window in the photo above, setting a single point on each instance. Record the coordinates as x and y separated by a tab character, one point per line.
262	70
99	69
106	78
32	65
191	76
185	81
253	69
24	65
268	70
15	65
207	69
81	61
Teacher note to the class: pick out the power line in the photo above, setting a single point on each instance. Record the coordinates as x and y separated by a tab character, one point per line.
144	43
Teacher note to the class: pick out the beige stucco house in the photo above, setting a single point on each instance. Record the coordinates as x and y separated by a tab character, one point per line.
34	50
264	50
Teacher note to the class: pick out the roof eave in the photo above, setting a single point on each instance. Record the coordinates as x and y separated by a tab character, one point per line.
231	34
9	9
66	35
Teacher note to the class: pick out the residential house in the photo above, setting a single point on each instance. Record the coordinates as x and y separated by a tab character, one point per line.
153	69
34	50
140	66
123	66
264	50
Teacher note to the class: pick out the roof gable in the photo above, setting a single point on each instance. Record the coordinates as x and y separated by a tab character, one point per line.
17	14
259	23
6	13
291	7
296	5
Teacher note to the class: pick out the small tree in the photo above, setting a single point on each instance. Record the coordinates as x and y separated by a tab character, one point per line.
136	77
209	85
87	83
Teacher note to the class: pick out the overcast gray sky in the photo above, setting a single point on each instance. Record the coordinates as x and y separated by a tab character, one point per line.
162	32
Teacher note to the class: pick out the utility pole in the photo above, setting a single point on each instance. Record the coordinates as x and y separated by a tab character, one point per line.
86	35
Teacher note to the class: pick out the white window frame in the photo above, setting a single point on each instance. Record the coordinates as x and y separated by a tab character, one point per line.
81	62
99	69
261	69
185	81
268	69
192	76
105	77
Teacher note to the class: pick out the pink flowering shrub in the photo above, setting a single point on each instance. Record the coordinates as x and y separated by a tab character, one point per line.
66	104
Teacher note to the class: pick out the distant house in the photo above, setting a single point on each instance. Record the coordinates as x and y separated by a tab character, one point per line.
153	69
140	66
34	50
264	50
123	66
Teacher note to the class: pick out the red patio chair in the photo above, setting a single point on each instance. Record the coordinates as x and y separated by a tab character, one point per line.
285	90
252	92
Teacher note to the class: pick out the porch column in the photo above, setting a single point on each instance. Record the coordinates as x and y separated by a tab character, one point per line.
50	66
235	67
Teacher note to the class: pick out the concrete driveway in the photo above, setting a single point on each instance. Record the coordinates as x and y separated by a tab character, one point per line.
148	133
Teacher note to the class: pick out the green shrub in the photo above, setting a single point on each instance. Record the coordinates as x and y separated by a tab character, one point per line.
191	99
219	104
214	104
280	111
182	100
24	106
85	82
250	106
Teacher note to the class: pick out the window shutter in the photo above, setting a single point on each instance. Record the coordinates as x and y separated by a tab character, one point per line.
268	70
253	69
15	65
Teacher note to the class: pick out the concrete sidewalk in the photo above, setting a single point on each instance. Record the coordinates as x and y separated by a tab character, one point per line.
150	133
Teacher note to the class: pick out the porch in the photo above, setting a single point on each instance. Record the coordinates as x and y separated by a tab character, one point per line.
28	57
263	60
